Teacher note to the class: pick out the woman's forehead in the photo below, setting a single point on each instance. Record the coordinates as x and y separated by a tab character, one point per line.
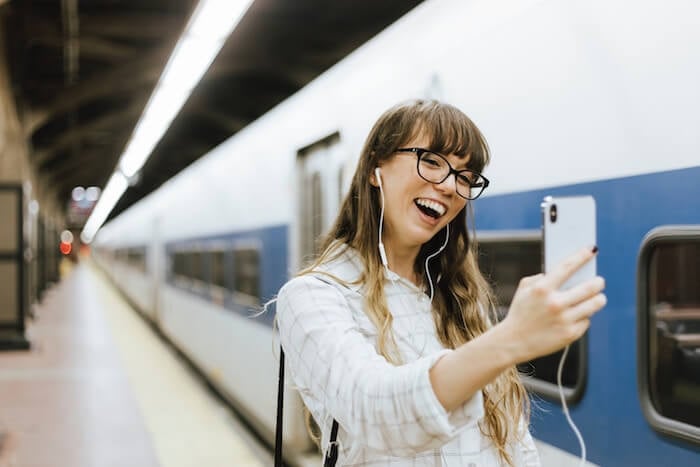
442	143
421	140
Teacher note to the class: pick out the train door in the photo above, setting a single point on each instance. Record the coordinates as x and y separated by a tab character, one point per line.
320	181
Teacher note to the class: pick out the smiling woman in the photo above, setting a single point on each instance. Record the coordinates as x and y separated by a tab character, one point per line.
380	330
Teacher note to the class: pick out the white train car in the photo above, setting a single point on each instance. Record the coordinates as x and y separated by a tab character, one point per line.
582	97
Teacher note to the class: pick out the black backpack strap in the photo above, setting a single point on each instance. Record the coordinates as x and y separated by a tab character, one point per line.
280	403
331	454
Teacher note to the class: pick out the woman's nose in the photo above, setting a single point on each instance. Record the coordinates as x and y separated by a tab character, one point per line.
449	185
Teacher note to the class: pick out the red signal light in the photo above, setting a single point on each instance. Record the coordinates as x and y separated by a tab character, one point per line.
66	248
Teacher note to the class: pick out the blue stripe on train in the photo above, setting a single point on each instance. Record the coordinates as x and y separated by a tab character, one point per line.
609	414
273	263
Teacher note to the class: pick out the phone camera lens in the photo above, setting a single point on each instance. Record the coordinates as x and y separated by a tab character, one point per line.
553	213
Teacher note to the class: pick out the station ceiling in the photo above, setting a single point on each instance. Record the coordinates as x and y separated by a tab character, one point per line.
82	72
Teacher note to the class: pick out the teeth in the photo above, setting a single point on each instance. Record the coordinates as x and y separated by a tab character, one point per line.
437	207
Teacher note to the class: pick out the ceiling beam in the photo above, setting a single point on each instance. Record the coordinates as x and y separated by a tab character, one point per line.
135	26
108	122
142	72
92	47
90	164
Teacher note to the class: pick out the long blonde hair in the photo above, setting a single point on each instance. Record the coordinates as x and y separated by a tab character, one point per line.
463	304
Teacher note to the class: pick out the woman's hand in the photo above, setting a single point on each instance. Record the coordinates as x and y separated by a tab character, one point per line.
543	319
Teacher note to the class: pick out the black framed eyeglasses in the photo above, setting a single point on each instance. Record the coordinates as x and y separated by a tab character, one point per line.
435	168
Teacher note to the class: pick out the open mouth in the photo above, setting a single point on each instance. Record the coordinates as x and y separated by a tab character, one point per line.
430	207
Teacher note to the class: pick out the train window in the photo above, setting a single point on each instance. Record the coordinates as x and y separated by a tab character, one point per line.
218	274
505	258
197	269
136	258
669	330
246	275
182	265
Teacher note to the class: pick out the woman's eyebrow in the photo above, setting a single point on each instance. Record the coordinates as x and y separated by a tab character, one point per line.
463	163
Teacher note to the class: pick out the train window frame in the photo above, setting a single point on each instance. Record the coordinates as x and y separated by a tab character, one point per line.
136	258
214	251
659	422
545	389
183	278
239	297
218	292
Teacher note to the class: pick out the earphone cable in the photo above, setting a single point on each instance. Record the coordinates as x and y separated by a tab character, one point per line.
565	408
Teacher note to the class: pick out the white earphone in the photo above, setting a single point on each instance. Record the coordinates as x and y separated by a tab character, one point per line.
382	251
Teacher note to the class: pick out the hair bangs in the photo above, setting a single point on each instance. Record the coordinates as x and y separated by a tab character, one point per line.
452	132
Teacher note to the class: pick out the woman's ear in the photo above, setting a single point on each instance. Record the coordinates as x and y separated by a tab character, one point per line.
374	177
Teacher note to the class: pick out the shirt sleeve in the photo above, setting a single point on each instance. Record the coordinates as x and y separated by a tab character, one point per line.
390	409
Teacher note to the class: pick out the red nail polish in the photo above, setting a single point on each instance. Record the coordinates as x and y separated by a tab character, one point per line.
595	249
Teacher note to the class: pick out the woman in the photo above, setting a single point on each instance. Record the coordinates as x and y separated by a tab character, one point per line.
390	332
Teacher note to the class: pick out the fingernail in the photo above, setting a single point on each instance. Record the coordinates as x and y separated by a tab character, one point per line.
595	249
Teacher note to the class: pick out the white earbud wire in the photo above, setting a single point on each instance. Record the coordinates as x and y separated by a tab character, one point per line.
427	267
382	251
565	408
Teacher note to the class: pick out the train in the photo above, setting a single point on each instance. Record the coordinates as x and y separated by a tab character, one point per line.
591	97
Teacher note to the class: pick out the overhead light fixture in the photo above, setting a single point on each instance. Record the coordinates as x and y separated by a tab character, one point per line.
205	34
210	25
110	195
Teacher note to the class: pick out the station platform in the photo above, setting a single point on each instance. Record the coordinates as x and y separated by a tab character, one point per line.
99	388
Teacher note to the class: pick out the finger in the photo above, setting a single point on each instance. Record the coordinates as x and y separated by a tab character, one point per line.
583	291
587	308
569	266
528	280
580	329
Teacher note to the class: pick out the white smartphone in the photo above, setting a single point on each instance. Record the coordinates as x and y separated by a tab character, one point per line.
568	225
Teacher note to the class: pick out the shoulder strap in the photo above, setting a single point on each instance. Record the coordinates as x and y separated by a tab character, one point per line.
280	403
331	453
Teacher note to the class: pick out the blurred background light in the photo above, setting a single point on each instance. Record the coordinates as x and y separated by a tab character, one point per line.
92	193
66	236
78	193
66	248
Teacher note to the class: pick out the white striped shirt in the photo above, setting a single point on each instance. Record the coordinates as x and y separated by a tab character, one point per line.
388	415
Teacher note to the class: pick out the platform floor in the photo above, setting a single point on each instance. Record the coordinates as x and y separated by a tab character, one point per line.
99	388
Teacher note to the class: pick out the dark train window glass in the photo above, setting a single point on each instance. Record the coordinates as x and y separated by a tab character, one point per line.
218	275
136	258
180	264
673	313
504	261
246	273
196	265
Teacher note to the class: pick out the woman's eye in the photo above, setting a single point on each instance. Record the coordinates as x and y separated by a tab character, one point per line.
470	179
465	179
431	160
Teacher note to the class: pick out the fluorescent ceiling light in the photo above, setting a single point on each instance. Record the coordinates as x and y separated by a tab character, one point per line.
205	34
110	195
210	25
